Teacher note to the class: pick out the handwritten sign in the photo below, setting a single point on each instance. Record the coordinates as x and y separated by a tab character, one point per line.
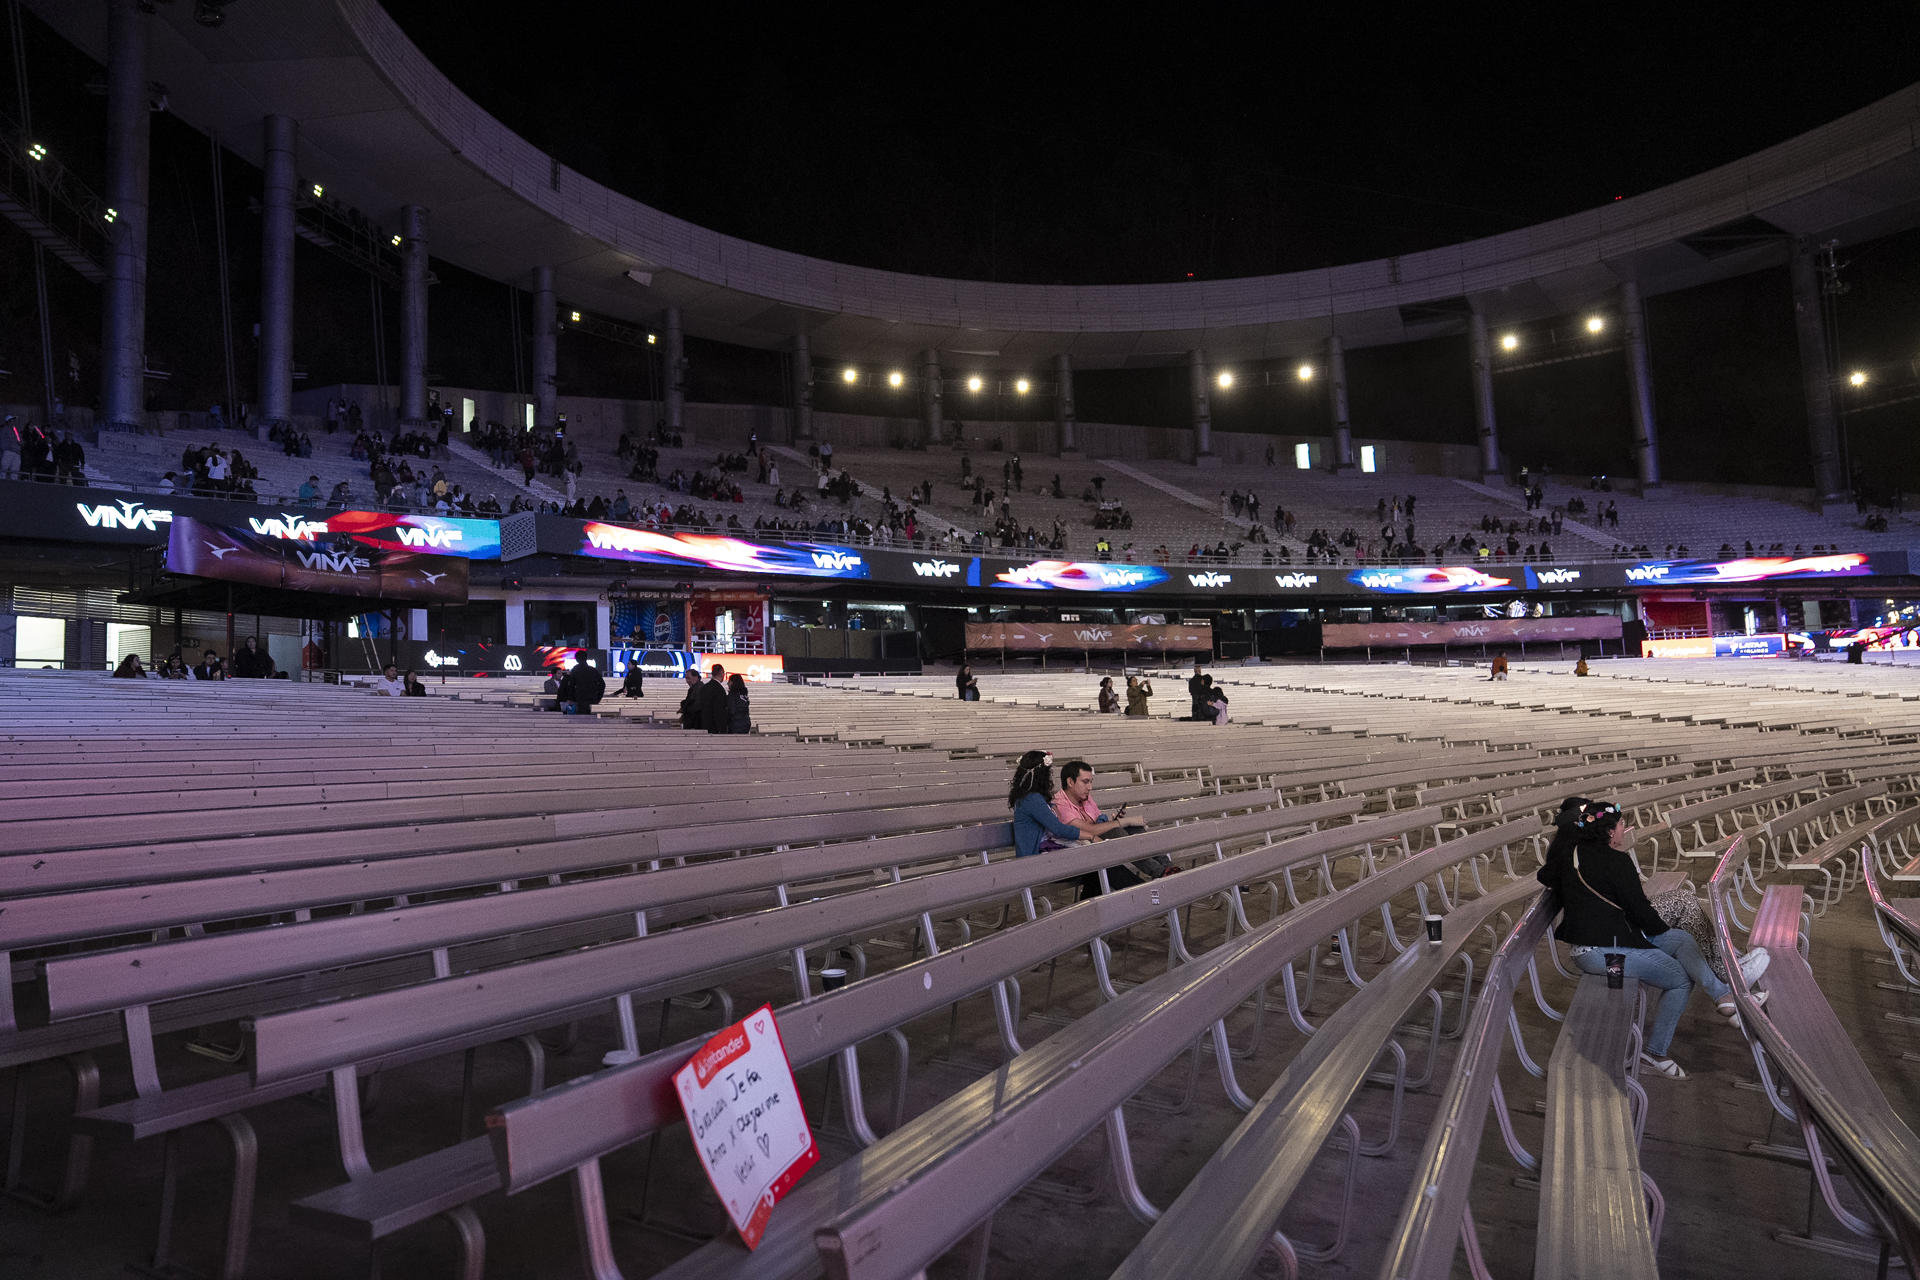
748	1126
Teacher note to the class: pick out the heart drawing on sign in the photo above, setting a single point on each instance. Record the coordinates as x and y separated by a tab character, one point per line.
766	1144
760	1025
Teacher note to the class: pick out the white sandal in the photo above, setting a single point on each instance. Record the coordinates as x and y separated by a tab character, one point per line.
1731	1011
1665	1066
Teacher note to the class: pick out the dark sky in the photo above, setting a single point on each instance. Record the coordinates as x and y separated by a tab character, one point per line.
1086	145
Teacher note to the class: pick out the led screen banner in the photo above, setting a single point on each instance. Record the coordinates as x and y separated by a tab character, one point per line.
695	551
1065	575
1708	573
326	564
673	664
1040	637
1396	635
1766	645
475	659
1430	580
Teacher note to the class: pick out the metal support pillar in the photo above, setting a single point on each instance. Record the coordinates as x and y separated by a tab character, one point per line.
1063	414
545	351
1816	372
1646	437
802	388
276	270
1337	403
413	315
676	371
1482	351
1202	412
930	391
123	337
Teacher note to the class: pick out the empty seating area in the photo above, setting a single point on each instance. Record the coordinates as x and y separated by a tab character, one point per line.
306	981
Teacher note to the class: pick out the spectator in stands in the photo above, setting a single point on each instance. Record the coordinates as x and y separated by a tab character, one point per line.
1197	692
1580	667
166	484
209	667
1036	827
250	662
310	490
739	706
1138	691
9	449
1498	669
174	668
1605	909
966	687
412	688
1216	702
581	689
130	668
634	686
713	701
69	460
1074	805
1108	699
342	494
390	685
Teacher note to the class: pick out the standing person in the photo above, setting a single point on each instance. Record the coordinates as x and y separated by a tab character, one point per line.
968	687
713	701
1197	692
249	663
1138	691
690	705
581	689
1605	909
739	706
1109	700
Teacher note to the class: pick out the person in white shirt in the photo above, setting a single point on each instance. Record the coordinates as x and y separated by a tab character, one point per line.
217	466
390	684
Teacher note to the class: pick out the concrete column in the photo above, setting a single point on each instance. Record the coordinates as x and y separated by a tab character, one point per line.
123	327
1202	412
676	371
802	388
545	351
1337	401
413	314
1063	415
417	625
1816	373
1483	396
276	270
516	611
1646	437
602	627
930	393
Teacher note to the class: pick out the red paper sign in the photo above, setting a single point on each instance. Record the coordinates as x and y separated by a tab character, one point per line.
747	1124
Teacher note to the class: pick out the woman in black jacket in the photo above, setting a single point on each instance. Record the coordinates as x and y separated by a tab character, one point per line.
739	710
1605	909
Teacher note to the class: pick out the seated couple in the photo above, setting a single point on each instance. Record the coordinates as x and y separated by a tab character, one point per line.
1045	818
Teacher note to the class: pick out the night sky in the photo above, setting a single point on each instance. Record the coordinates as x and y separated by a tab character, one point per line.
1078	147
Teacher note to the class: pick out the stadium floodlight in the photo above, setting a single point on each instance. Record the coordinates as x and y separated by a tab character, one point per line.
650	339
1225	380
318	191
849	375
576	317
974	384
1858	378
396	242
1304	373
37	151
1022	386
1509	342
110	214
1596	324
896	379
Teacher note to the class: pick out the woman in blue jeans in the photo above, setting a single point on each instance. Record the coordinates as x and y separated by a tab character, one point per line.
1604	908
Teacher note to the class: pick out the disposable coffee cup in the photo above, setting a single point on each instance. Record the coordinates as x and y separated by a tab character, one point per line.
832	979
1616	970
1433	930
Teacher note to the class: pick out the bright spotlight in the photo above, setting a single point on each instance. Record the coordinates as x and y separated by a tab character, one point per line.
849	375
111	214
1022	386
1509	342
318	191
396	242
576	317
650	339
896	379
1304	373
37	151
1858	378
1225	380
1595	324
974	384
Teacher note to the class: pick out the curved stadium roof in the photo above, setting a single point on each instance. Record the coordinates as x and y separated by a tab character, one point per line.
381	127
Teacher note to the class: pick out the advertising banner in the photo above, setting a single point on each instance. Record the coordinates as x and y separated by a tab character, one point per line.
719	551
1065	575
1038	637
1671	573
1395	635
673	664
324	563
476	659
90	515
1761	646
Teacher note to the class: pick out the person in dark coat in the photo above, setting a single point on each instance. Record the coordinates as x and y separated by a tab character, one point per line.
1197	691
690	705
249	663
713	701
739	707
582	689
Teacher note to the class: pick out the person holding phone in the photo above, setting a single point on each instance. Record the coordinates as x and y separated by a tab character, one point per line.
1074	804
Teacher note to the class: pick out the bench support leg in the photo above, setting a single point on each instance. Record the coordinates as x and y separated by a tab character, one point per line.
1350	1131
245	1147
1120	1156
590	1217
72	1182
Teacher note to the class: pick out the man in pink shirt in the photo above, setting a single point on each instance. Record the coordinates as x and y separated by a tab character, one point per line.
1074	805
